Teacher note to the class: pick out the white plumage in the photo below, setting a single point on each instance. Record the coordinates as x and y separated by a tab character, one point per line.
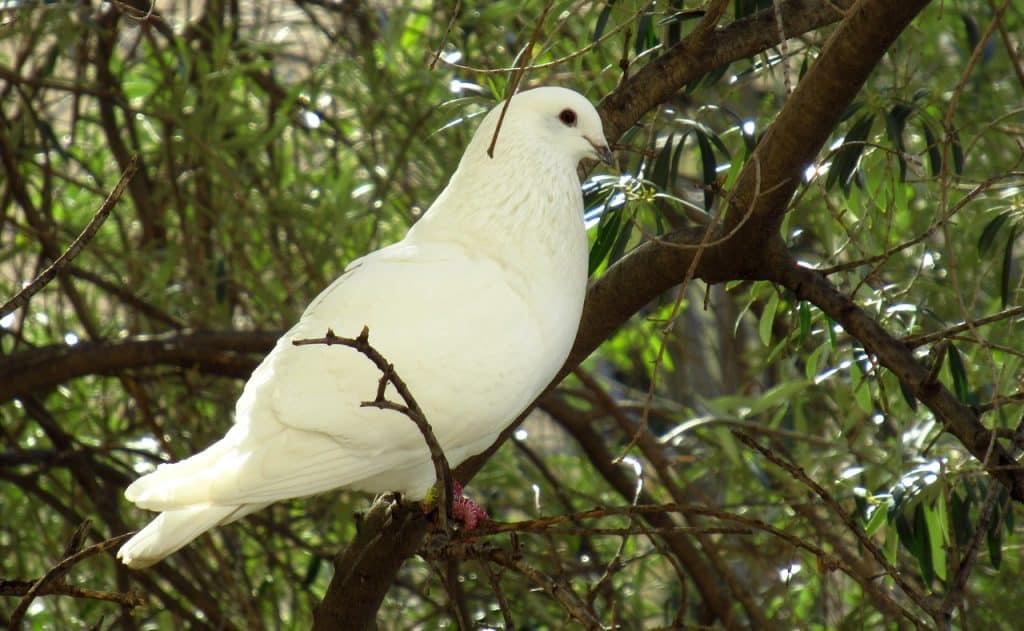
477	308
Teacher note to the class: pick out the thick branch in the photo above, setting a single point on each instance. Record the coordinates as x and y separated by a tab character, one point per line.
233	354
774	171
692	58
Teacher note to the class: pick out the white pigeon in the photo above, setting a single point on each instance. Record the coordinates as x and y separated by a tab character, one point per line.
477	308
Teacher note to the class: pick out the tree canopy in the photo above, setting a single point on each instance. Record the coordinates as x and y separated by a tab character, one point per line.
796	399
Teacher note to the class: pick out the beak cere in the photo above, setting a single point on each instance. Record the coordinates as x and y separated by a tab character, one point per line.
602	152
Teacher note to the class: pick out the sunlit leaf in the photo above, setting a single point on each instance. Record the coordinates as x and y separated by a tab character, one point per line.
764	326
876	520
805	320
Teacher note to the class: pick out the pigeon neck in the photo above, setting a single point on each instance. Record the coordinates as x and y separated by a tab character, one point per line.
524	193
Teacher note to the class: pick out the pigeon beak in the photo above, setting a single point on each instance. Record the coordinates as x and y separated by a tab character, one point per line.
602	152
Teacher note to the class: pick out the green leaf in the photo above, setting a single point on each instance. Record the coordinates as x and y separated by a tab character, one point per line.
936	543
895	122
876	520
958	152
991	231
846	158
920	544
811	370
645	37
994	541
1004	285
956	369
861	389
764	327
602	21
709	168
960	511
662	165
607	232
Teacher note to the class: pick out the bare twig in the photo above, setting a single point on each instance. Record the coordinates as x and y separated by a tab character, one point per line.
21	298
410	409
518	76
447	32
55	576
798	473
559	590
920	339
60	588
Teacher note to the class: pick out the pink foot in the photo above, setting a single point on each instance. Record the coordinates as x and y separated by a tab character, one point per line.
466	510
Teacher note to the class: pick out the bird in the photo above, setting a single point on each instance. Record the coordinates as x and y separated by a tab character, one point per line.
476	308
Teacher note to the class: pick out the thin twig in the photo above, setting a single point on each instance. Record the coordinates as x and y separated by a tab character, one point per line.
560	591
60	588
55	575
879	556
447	32
518	76
21	298
920	339
410	409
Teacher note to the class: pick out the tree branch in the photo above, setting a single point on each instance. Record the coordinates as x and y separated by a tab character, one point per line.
21	298
228	353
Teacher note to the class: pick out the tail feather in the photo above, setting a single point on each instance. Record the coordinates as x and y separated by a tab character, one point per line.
172	530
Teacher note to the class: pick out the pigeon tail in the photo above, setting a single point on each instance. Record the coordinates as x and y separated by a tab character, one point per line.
172	530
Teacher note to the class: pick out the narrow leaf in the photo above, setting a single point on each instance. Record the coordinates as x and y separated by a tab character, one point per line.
805	320
958	152
956	369
709	168
602	20
662	163
1004	285
991	231
764	327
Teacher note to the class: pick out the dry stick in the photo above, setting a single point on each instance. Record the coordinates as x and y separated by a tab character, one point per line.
410	409
60	588
57	573
560	591
494	578
517	77
21	298
1014	55
447	32
879	556
920	339
529	527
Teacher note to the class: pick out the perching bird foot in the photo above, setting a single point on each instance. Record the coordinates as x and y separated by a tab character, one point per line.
464	510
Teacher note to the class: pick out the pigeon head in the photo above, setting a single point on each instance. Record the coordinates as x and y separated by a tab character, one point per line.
554	119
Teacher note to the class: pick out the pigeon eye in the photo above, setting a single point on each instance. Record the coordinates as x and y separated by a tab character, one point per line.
568	117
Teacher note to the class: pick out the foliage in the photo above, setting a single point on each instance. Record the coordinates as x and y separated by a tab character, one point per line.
278	141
